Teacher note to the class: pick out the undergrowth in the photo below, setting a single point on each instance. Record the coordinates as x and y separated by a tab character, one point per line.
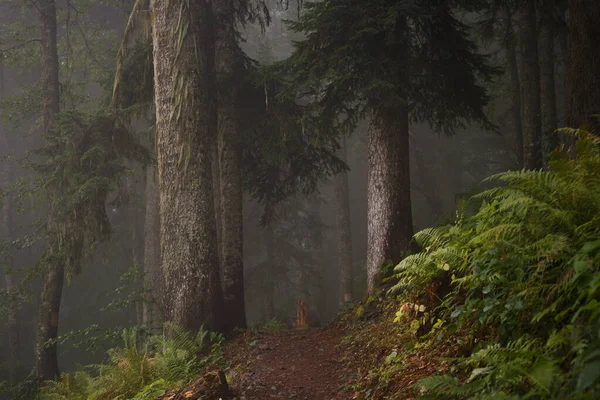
515	286
143	368
273	325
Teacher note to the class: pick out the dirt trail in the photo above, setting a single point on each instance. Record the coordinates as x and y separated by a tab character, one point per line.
303	364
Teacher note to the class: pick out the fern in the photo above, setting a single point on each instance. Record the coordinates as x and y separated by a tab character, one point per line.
525	267
143	368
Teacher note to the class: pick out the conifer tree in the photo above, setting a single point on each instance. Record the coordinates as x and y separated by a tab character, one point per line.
530	86
46	357
583	65
186	127
393	63
228	59
546	41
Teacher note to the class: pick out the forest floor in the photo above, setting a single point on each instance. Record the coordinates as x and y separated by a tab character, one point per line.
367	353
292	364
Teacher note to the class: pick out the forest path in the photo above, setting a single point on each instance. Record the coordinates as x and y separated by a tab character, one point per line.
296	364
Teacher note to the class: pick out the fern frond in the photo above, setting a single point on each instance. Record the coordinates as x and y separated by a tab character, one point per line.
437	382
500	232
414	261
432	236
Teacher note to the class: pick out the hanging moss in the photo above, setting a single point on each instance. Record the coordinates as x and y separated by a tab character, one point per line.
80	170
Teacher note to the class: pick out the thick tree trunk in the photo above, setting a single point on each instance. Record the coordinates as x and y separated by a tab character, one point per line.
390	228
583	65
152	274
186	124
47	329
547	80
344	231
515	86
6	235
230	180
530	84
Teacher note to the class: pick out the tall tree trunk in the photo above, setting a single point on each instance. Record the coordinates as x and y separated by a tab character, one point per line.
6	234
547	80
530	84
583	64
152	274
47	329
186	125
268	281
390	228
344	231
515	86
230	179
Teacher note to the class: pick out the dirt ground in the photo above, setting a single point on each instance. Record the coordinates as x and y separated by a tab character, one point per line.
297	364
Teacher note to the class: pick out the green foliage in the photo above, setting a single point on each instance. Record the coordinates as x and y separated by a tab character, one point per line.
81	167
143	368
283	154
272	325
369	58
525	272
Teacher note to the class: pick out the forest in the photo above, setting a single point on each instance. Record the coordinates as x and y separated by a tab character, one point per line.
299	199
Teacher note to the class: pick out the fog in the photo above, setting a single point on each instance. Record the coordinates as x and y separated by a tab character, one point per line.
107	294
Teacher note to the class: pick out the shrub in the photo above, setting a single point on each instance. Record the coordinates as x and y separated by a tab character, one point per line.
524	271
144	368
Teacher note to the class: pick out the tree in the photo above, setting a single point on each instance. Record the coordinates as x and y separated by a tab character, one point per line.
393	63
344	231
530	85
186	125
547	33
82	165
583	65
229	165
46	358
515	84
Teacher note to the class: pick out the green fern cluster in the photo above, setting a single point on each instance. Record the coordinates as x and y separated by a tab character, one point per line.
144	368
524	268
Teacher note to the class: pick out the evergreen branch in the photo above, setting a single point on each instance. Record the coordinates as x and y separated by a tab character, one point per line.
18	46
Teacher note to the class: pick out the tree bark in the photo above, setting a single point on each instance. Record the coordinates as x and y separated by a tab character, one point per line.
186	124
344	231
583	65
230	179
390	228
48	317
547	80
515	86
530	84
152	274
216	184
6	235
